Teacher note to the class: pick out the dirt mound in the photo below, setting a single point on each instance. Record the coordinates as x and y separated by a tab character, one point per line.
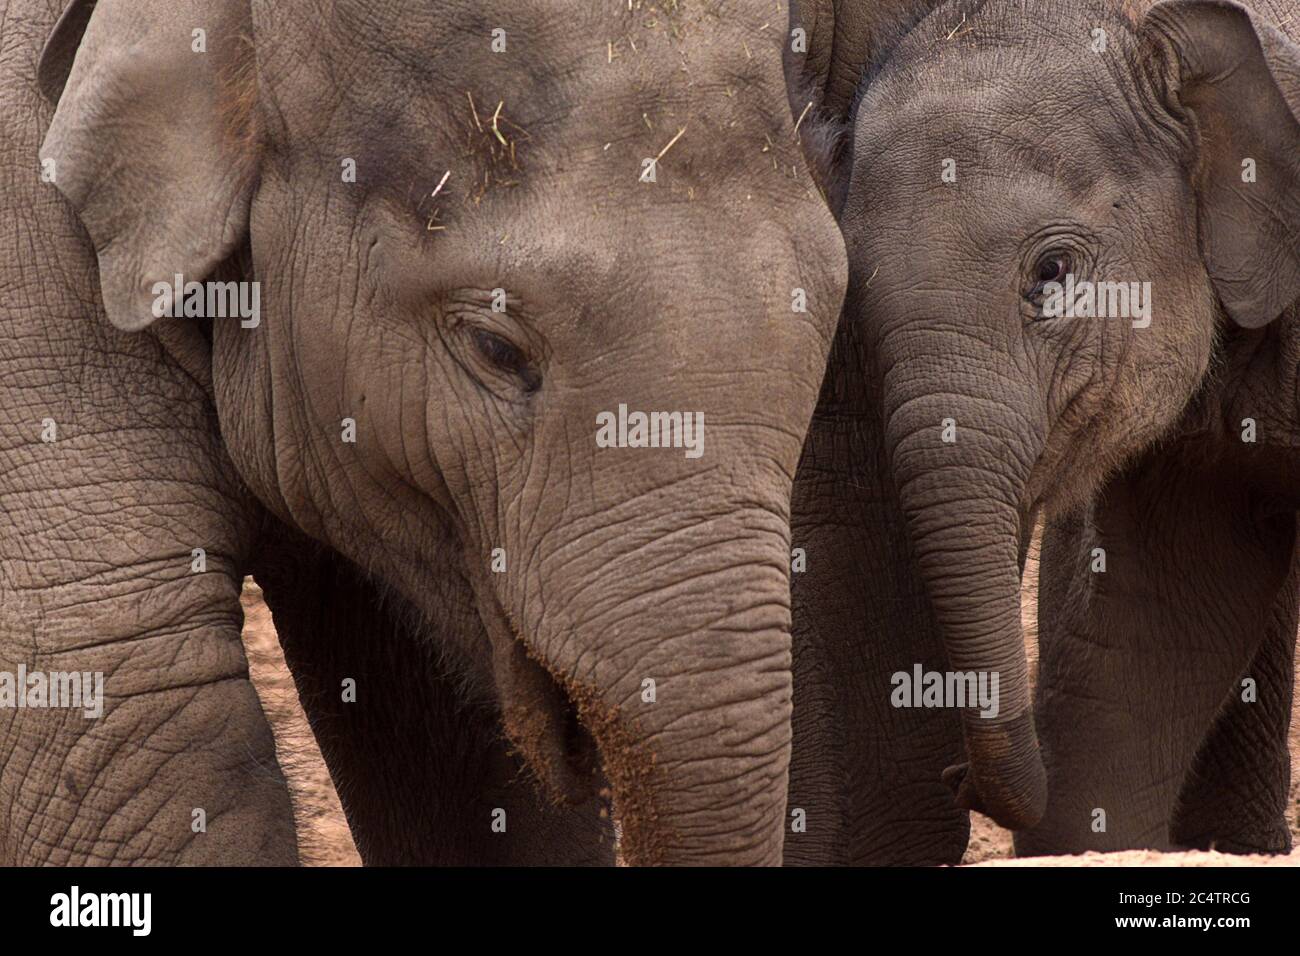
1152	858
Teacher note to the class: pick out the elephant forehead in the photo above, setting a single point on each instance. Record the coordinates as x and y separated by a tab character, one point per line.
541	77
1000	127
1047	79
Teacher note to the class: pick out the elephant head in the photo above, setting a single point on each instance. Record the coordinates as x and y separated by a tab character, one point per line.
483	233
1012	160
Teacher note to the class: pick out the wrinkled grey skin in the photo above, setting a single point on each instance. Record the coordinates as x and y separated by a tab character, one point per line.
623	565
847	36
866	775
1122	166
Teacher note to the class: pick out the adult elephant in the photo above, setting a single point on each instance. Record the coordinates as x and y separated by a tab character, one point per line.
477	232
866	776
1005	153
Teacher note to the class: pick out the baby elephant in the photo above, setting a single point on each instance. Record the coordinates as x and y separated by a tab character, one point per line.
1074	237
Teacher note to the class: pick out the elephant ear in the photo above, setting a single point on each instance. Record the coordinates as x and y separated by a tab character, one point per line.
61	47
1236	78
154	140
846	39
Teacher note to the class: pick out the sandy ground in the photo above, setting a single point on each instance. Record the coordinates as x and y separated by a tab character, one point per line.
323	833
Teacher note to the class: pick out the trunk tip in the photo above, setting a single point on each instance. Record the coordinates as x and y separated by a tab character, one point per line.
1015	807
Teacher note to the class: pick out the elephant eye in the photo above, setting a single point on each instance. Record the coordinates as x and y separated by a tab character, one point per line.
498	351
1053	267
506	357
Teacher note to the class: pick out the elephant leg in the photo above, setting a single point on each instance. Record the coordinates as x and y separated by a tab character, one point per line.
1240	805
866	774
1135	662
122	543
423	770
112	476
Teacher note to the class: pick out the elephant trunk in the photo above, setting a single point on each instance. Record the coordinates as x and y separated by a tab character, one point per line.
960	487
682	679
